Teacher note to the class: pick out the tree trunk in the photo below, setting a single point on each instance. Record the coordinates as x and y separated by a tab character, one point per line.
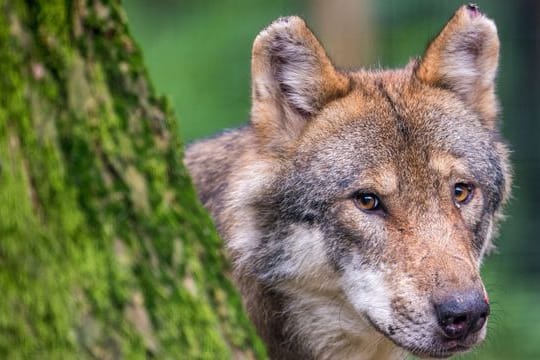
104	250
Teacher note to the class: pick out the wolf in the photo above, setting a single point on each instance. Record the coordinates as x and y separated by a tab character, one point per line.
357	206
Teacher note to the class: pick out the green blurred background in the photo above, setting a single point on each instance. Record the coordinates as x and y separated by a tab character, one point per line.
198	54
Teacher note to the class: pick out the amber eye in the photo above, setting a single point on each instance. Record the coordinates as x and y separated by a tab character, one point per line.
463	193
367	201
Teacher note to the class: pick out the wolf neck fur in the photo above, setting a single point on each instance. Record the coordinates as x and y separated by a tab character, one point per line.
326	325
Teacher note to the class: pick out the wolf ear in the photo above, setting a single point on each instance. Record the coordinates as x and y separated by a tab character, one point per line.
464	58
292	79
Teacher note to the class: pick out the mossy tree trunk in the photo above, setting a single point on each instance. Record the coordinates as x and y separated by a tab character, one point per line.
104	250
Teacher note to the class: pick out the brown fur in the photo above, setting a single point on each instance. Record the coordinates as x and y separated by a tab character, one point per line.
321	278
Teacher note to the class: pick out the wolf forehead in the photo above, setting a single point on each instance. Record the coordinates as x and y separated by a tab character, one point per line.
390	127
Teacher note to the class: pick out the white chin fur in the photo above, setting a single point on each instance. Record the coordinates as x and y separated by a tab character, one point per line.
366	290
330	322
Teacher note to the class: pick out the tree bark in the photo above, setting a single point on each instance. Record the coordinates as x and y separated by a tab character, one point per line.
104	250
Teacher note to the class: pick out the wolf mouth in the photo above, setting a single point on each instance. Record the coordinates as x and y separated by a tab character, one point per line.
441	353
438	351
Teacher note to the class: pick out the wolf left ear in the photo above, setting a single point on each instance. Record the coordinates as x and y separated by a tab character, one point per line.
292	79
464	58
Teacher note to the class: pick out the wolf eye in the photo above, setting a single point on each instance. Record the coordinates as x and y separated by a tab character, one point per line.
463	193
367	201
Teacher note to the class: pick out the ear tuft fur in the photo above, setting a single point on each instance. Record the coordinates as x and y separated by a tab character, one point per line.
464	58
292	77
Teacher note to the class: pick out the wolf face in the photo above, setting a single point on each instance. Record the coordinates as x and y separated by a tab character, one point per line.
357	207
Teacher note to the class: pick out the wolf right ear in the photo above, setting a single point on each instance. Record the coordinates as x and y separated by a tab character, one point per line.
292	79
464	58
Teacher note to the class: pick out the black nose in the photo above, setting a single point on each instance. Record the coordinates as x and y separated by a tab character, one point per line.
462	314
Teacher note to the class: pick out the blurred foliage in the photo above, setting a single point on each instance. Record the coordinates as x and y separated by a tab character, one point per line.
198	53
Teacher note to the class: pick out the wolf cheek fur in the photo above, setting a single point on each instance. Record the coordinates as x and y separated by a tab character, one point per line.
322	277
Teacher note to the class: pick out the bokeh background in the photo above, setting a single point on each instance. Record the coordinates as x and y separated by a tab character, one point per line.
198	54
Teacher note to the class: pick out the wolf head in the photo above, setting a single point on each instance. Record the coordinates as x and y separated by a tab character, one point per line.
373	195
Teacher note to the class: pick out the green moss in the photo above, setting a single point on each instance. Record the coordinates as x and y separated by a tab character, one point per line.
103	241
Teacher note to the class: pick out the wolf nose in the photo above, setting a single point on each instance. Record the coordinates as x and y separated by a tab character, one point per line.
462	314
